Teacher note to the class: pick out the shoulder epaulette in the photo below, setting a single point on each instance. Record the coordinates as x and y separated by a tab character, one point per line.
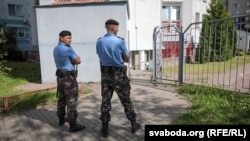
99	38
120	37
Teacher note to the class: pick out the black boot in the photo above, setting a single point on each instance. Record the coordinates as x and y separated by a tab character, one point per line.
61	121
76	127
105	132
135	126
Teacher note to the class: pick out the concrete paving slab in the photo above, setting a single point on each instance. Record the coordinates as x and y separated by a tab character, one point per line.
153	105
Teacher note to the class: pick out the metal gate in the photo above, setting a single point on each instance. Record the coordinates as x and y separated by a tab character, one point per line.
166	54
214	53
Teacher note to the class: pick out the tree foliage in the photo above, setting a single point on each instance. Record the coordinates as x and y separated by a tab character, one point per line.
3	40
219	37
8	46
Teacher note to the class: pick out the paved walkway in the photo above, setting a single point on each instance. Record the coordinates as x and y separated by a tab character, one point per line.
153	104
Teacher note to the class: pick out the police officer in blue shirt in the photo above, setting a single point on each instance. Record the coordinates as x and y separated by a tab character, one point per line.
65	59
112	52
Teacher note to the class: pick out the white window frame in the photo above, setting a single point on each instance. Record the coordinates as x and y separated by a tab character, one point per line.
172	16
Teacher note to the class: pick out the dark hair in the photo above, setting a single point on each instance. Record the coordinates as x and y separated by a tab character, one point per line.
65	33
111	21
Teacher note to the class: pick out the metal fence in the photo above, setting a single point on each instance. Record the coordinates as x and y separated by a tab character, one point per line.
214	53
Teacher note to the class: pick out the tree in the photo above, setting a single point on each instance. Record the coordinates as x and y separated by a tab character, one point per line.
3	40
219	37
8	46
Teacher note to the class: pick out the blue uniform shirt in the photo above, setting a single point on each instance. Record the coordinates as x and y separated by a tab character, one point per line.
111	50
63	55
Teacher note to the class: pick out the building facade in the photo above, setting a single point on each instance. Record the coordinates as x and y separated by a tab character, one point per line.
238	8
181	14
144	16
160	13
137	24
19	17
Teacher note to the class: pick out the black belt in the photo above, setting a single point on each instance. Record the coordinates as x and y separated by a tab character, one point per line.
62	73
111	69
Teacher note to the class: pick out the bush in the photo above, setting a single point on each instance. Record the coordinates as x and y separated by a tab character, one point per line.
8	47
238	53
11	52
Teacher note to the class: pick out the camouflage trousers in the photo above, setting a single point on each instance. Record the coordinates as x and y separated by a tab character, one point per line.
118	82
68	97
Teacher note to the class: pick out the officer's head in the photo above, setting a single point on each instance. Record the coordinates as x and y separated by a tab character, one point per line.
112	26
65	37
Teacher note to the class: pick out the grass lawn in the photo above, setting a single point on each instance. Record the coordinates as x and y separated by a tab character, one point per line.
211	67
214	106
14	73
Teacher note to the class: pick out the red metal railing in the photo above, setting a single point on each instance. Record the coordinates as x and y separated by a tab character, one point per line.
6	105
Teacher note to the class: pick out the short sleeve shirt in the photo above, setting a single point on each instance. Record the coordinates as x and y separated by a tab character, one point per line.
63	56
111	49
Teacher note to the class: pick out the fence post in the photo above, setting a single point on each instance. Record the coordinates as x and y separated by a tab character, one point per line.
154	51
181	57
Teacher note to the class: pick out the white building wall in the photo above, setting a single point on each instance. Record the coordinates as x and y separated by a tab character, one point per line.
45	2
243	40
87	24
145	15
190	8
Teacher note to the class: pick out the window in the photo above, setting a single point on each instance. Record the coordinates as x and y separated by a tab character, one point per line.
15	10
165	13
203	17
175	13
248	3
248	11
17	32
236	5
170	13
20	33
197	19
235	12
